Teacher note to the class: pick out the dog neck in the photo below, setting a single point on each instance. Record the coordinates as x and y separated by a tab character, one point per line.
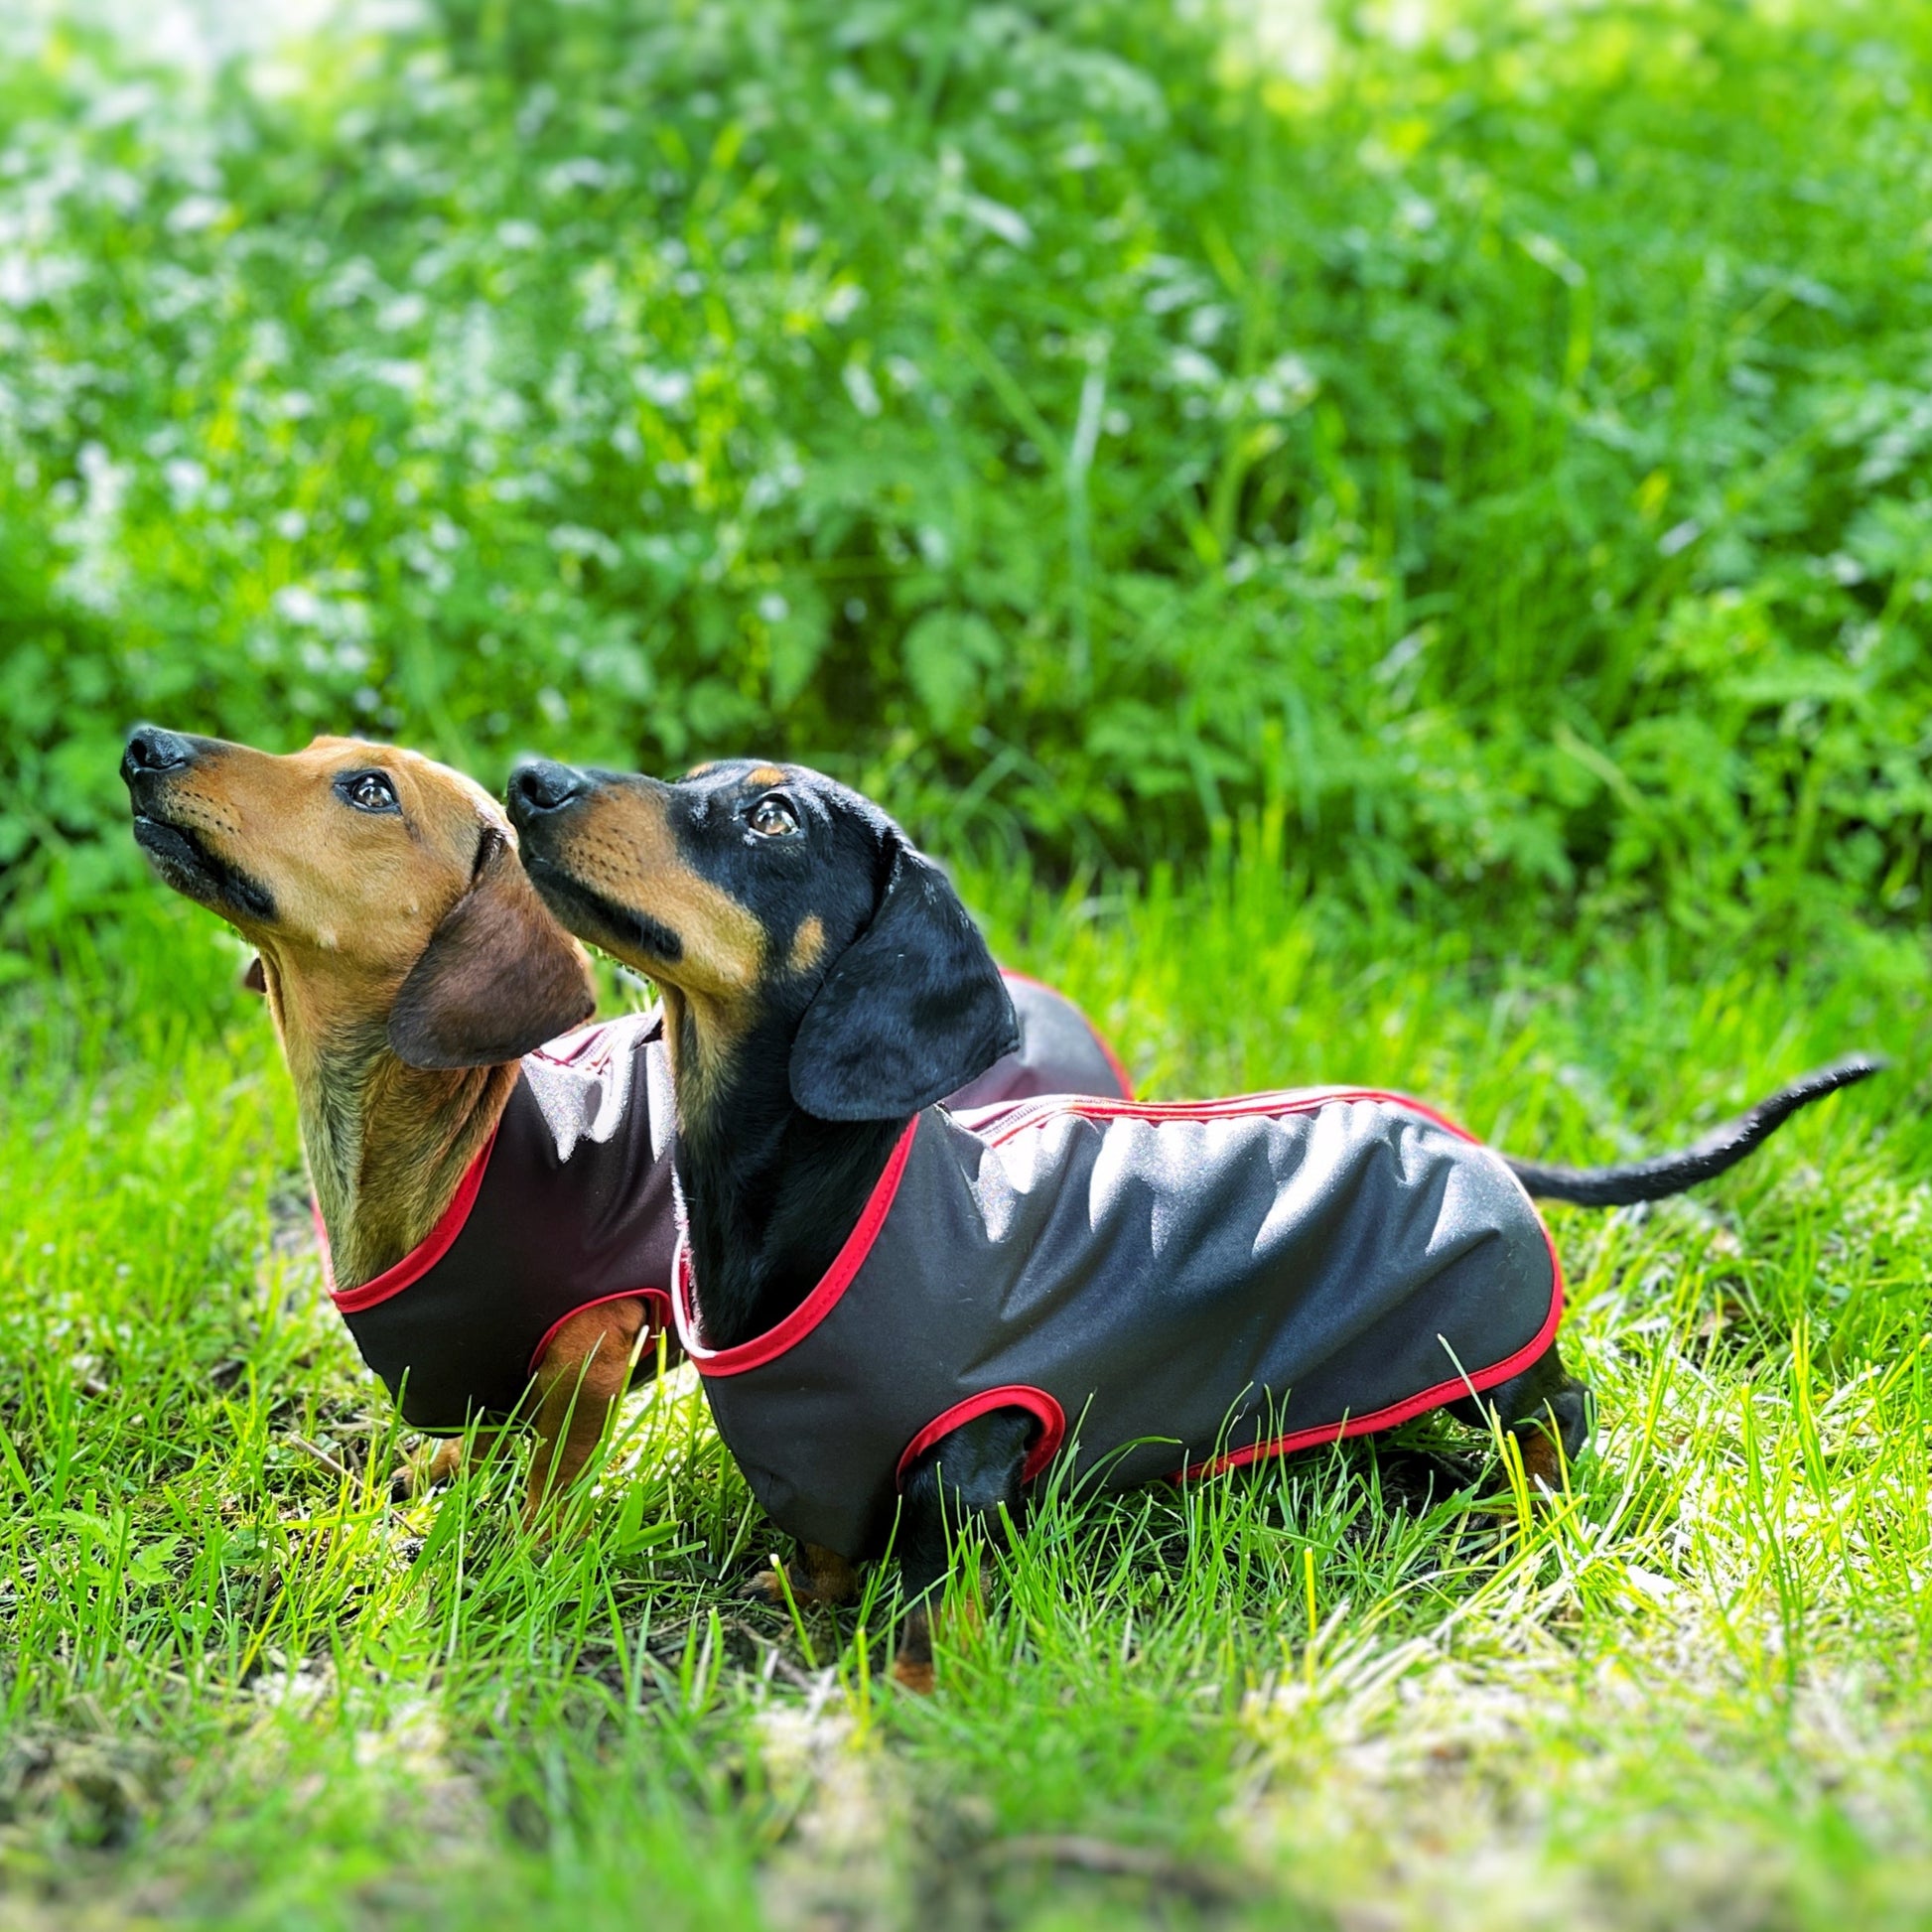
770	1192
387	1144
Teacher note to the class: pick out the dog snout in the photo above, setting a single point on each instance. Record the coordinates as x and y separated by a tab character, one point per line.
543	785
152	753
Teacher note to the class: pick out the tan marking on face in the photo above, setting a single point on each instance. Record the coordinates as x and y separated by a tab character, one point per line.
807	944
619	844
765	774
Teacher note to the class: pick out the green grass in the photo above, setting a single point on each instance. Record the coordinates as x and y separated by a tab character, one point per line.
1458	525
241	1689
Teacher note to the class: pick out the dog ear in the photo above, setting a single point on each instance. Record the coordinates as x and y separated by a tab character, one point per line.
911	1011
498	976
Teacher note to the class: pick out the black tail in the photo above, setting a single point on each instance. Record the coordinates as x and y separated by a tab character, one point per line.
1670	1173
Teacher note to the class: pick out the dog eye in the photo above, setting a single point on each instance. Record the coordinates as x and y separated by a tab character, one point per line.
773	818
368	792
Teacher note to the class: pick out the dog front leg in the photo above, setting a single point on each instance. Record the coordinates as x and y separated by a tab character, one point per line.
821	1576
443	1461
583	1372
959	1484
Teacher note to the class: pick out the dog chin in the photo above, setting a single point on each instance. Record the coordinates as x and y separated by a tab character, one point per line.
184	865
634	937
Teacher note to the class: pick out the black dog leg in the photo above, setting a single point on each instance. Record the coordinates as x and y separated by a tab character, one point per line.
959	1482
820	1576
1547	1410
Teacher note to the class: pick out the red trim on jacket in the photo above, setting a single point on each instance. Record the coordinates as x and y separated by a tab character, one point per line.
421	1257
1100	1040
1015	1395
1030	1114
816	1305
655	1318
572	1044
1038	1113
1284	1100
1452	1390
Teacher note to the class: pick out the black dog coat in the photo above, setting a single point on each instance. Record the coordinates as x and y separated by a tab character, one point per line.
569	1204
1187	1287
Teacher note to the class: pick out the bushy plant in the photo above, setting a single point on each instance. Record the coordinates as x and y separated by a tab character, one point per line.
1505	457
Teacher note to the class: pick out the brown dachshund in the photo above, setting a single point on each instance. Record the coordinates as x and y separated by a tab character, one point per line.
407	966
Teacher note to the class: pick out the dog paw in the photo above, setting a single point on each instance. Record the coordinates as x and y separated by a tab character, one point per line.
767	1586
1542	1460
424	1469
914	1673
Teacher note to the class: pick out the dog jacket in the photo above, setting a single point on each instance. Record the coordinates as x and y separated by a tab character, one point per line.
1183	1288
569	1204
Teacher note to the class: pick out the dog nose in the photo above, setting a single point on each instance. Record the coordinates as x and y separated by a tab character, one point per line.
543	785
152	750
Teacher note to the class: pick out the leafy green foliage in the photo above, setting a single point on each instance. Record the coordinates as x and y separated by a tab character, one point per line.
1507	453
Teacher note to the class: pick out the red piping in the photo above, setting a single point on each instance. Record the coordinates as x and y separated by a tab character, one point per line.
420	1259
1014	1395
1296	1101
1100	1040
816	1305
568	1049
658	1318
1287	1100
824	1297
1408	1409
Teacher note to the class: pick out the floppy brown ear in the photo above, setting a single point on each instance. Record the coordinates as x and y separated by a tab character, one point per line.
498	976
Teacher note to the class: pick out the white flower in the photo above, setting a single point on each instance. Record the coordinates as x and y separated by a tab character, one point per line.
996	218
185	479
667	388
296	604
405	312
195	212
1193	370
844	302
860	386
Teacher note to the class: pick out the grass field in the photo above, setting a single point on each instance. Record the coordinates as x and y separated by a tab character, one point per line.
1369	1688
1423	515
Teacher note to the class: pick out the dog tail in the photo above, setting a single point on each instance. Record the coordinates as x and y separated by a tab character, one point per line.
1671	1173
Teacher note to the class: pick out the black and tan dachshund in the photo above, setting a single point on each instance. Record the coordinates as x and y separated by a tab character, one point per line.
901	1312
497	1202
